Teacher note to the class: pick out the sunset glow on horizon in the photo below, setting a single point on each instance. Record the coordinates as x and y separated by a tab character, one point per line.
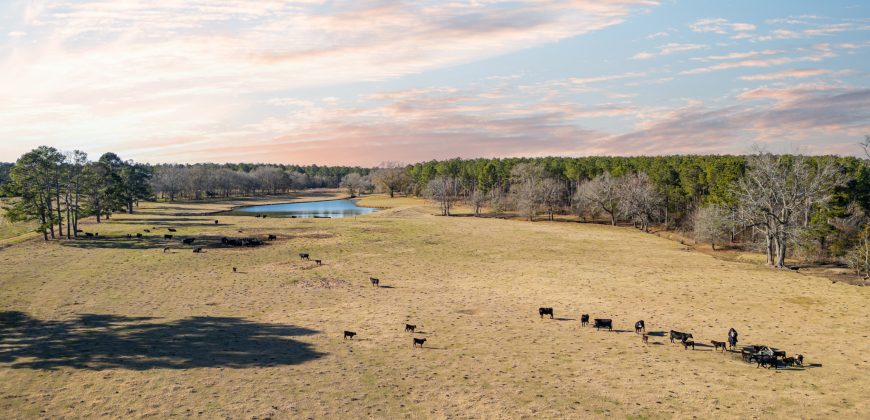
361	82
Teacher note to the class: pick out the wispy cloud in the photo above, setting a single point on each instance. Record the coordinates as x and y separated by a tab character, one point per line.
668	49
787	74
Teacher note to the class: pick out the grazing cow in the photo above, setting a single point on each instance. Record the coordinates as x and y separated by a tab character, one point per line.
688	343
129	236
419	341
584	320
349	334
769	361
603	323
167	236
732	338
639	326
79	231
146	230
89	234
215	222
645	339
272	237
139	235
680	336
375	282
718	344
788	361
165	250
197	250
188	241
410	328
304	256
545	311
318	262
799	360
170	229
234	269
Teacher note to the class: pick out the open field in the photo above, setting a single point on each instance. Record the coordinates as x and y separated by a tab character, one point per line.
117	327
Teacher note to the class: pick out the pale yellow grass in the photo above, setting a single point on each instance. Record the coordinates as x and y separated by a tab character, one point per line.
471	285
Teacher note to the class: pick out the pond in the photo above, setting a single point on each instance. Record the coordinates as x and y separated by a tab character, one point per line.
311	209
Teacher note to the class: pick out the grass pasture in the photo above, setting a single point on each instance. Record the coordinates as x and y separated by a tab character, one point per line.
116	327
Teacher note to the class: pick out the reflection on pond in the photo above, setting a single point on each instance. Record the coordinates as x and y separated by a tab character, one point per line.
311	209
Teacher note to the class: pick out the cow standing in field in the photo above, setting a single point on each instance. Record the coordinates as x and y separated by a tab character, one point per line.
375	282
718	344
188	241
171	229
272	237
349	334
318	262
639	326
680	336
688	343
584	320
167	237
215	222
304	256
603	323
410	328
419	341
545	311
732	338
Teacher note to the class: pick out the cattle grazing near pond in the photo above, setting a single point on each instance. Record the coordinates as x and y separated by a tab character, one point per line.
410	327
146	230
349	334
375	282
718	344
769	361
304	256
679	336
129	236
639	326
167	236
188	241
215	222
688	343
584	320
545	311
419	341
234	269
603	323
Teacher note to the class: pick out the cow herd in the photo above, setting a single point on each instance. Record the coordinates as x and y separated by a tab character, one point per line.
763	355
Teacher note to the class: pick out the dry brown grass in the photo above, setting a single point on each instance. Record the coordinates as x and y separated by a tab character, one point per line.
267	341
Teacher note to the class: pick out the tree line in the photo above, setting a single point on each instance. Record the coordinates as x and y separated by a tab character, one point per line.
811	207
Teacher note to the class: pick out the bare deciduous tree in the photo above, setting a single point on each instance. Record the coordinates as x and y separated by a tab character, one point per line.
600	194
391	177
639	200
711	224
527	188
445	191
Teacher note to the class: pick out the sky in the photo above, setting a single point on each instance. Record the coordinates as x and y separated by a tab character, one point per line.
355	82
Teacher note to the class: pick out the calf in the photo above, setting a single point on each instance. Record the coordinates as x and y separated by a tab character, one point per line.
304	256
349	334
318	262
188	241
584	320
272	237
410	328
679	336
419	341
639	326
171	229
197	250
645	339
375	282
167	236
545	311
688	343
603	323
788	361
718	344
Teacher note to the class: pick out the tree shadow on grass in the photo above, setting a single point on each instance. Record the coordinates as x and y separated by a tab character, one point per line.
98	342
153	242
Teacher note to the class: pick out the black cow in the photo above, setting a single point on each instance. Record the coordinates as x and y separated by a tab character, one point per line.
584	320
215	222
304	256
639	326
688	343
419	341
769	361
718	344
799	360
167	236
375	282
732	338
170	229
318	262
545	311
234	269
272	237
349	334
89	235
129	236
146	230
197	250
410	328
680	336
188	241
139	235
603	323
